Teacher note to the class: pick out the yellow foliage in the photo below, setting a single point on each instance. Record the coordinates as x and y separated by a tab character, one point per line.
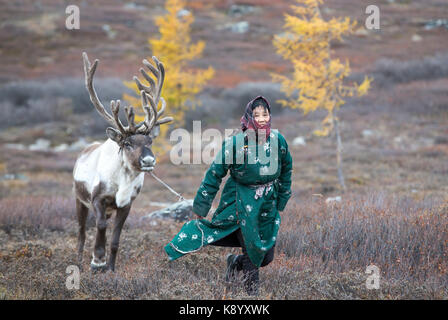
327	126
175	50
317	79
2	167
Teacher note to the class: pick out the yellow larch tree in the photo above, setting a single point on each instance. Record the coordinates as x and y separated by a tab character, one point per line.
174	48
317	81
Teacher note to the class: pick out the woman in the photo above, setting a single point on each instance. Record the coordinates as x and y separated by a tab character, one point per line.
256	191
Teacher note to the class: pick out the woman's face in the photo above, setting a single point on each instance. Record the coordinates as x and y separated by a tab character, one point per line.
261	115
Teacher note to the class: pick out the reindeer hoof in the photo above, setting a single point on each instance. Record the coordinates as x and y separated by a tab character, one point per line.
96	265
96	269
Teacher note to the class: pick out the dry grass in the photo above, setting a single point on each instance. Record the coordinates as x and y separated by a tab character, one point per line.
322	253
406	239
32	215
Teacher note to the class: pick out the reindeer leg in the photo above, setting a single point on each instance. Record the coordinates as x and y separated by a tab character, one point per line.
82	212
99	254
120	218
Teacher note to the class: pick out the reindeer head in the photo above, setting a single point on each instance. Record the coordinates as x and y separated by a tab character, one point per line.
134	140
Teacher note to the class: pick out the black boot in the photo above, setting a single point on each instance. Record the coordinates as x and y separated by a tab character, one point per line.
233	266
251	276
251	282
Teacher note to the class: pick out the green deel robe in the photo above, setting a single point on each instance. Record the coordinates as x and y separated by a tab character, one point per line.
240	206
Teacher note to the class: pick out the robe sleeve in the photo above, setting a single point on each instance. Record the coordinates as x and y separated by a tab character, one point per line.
284	179
212	180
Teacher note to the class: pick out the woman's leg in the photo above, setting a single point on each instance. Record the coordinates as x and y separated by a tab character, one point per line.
250	271
251	275
268	257
241	262
230	240
233	261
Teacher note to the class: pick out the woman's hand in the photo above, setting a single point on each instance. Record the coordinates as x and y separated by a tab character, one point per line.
194	216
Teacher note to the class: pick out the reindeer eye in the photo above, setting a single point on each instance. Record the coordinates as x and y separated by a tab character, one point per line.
127	144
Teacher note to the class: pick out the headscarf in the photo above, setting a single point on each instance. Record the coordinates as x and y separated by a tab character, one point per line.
248	121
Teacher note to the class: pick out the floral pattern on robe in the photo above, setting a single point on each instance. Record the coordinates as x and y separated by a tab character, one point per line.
251	199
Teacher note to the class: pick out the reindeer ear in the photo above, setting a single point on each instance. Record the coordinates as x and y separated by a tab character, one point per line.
114	135
155	131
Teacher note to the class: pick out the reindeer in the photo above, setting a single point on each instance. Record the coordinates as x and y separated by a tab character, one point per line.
108	176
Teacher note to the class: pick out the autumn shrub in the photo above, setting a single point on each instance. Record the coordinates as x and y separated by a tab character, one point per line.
388	71
322	252
32	215
27	102
406	239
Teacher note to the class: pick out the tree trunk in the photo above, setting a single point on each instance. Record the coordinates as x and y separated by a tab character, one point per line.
335	119
339	154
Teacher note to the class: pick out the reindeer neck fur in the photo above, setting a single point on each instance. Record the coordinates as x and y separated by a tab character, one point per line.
123	179
104	171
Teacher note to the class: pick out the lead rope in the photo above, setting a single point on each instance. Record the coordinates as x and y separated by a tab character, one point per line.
168	187
193	250
197	223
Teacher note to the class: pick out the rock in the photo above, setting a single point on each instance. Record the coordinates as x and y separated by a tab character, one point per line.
299	141
179	211
238	10
133	6
40	145
45	60
367	133
14	176
238	27
362	32
182	13
398	140
416	38
286	35
61	148
78	145
159	204
432	24
153	223
111	34
333	199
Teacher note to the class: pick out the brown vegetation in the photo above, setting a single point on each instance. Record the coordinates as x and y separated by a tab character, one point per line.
322	253
395	142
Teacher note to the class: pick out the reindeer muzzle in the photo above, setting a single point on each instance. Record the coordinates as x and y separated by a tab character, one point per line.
147	163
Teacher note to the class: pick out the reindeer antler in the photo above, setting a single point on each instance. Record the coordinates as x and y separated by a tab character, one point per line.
152	94
113	120
89	72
